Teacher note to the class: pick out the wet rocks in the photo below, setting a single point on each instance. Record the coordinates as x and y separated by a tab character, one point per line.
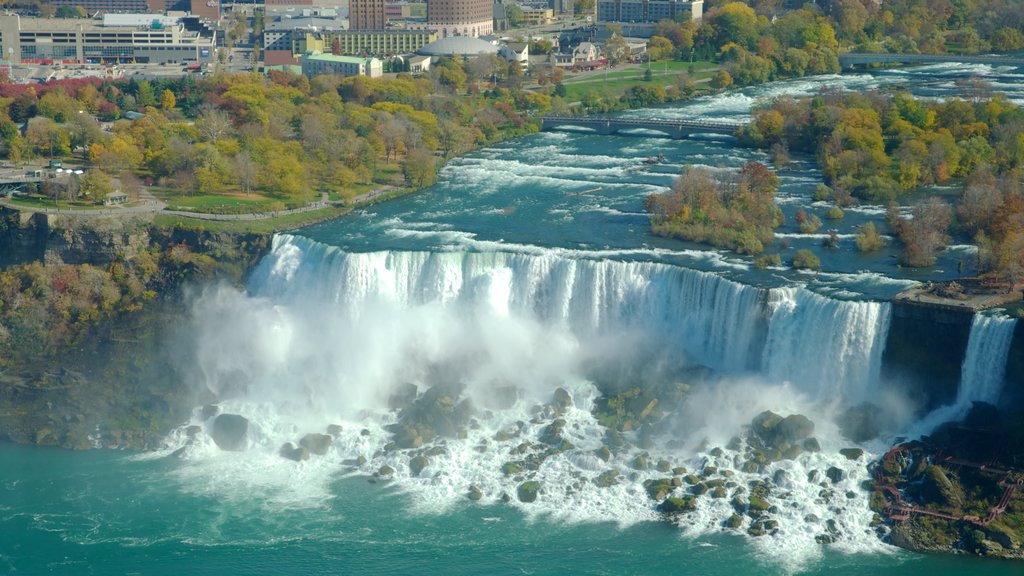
474	493
334	430
836	475
417	464
527	491
674	505
852	453
860	423
607	479
293	452
229	432
316	443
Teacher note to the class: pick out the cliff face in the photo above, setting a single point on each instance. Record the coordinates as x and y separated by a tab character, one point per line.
925	351
55	238
106	369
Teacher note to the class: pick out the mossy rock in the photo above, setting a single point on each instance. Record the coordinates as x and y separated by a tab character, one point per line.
735	521
385	471
691	479
334	430
793	428
511	468
658	489
699	489
664	466
719	492
552	433
527	491
939	489
562	400
640	462
674	505
836	475
758	504
474	493
603	453
811	445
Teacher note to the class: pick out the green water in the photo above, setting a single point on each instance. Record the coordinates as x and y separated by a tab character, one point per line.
105	512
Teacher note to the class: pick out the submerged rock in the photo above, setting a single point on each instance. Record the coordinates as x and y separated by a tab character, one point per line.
229	432
334	430
474	493
607	479
673	505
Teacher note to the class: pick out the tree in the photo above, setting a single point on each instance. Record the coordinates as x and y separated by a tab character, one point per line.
721	80
95	185
167	100
245	170
419	168
616	50
659	48
514	14
869	240
804	259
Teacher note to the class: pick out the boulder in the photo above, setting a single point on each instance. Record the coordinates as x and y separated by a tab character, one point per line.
603	453
209	411
658	489
417	464
385	471
229	432
316	443
552	433
794	428
673	505
334	430
562	400
474	493
734	521
764	424
811	445
527	491
940	489
292	452
360	460
836	475
852	453
403	397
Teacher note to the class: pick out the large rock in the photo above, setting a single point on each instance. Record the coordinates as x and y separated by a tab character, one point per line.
940	489
860	423
527	491
229	432
417	464
673	505
292	452
794	428
316	443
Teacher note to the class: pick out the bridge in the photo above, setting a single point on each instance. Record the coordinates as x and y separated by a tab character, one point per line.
605	125
859	58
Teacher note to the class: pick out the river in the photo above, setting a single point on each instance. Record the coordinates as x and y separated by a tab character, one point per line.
529	266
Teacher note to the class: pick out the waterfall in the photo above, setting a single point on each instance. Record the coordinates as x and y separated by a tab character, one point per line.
828	348
981	376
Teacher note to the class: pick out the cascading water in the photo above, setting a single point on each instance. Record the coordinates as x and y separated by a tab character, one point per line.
982	372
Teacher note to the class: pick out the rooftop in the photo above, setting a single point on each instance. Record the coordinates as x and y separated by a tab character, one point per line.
462	45
335	58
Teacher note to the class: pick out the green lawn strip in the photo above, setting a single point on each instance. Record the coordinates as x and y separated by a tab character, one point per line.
263	225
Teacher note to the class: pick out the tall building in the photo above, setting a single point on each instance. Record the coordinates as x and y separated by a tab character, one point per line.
461	17
648	11
366	15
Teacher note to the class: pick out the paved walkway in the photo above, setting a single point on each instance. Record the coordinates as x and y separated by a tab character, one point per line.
149	204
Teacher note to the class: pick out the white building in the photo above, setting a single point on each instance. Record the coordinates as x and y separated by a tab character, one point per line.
516	52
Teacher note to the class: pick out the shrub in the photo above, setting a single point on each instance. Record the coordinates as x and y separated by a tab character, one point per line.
869	239
767	260
805	260
835	213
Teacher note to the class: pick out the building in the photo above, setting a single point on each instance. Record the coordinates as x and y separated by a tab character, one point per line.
562	7
537	16
461	17
366	15
314	64
205	9
138	38
647	11
419	64
585	52
516	52
91	6
283	47
458	45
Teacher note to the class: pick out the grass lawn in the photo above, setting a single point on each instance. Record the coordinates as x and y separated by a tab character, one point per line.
253	202
664	74
266	225
40	202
